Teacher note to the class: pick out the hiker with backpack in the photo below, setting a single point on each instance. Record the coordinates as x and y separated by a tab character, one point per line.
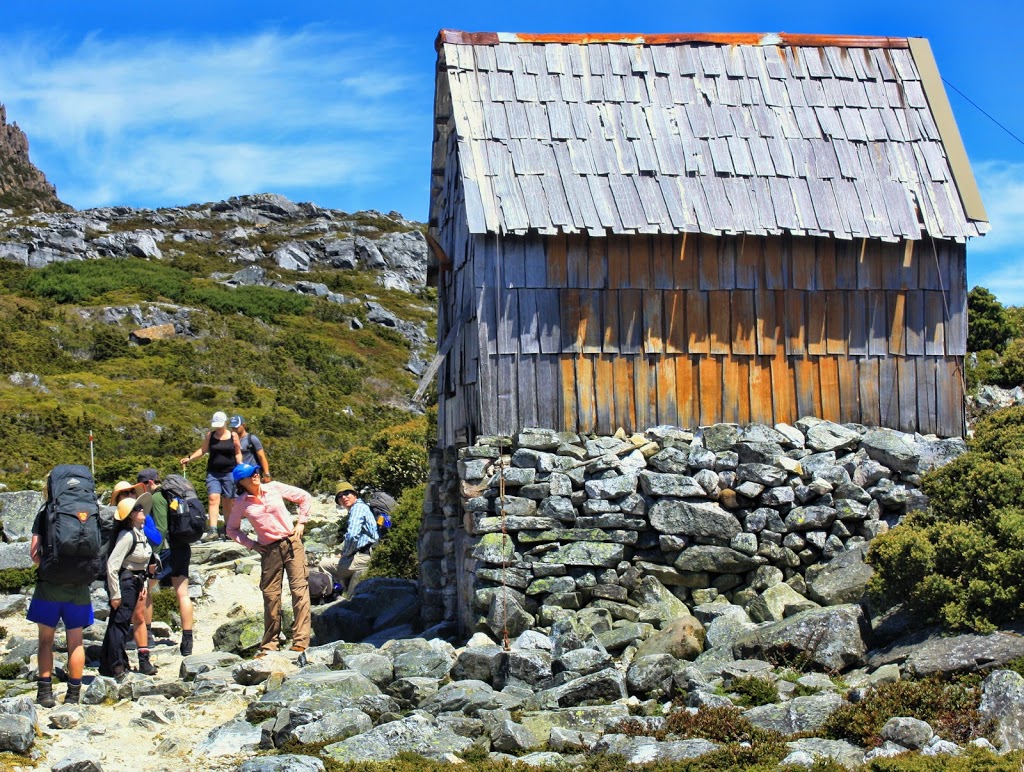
66	546
130	564
279	543
350	564
225	454
252	447
175	553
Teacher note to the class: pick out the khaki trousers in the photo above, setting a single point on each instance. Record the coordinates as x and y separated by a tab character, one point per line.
343	569
284	556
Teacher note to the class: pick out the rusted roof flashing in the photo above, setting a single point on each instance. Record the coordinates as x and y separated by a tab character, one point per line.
458	37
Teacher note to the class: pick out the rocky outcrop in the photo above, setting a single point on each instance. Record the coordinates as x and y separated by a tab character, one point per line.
22	186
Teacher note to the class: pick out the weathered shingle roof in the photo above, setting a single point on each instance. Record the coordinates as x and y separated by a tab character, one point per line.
635	136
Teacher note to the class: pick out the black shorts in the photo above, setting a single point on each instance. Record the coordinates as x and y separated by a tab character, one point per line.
176	561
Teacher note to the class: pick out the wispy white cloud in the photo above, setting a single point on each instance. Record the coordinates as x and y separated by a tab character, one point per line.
997	260
147	120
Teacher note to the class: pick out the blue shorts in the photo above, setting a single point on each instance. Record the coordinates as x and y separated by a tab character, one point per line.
50	612
223	484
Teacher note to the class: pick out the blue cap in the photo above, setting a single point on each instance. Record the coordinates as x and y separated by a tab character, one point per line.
243	472
236	421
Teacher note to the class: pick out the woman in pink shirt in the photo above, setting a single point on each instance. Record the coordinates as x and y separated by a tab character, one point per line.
279	542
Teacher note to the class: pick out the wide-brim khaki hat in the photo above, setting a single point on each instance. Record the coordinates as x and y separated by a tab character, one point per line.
122	489
126	505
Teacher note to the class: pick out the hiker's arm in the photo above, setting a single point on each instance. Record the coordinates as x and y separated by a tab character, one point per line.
238	448
262	458
233	525
34	549
197	454
114	562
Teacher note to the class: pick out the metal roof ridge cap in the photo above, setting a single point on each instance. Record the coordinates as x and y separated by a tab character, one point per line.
460	37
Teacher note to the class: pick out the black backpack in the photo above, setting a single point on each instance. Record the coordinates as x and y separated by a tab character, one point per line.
382	505
70	533
186	515
321	587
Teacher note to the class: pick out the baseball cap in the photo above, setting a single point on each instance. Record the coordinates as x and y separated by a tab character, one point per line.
219	419
236	421
148	475
243	472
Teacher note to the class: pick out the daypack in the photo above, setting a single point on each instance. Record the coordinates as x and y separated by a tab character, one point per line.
382	505
108	548
321	586
186	515
70	534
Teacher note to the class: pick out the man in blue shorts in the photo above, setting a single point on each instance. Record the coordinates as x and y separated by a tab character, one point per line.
52	603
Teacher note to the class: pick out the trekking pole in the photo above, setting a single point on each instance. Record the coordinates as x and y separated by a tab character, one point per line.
92	455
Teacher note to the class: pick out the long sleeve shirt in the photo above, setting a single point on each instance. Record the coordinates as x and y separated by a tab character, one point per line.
268	514
362	528
126	557
159	514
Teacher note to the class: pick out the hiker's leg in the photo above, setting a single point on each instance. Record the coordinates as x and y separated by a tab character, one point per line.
271	577
180	585
153	586
214	511
76	654
139	614
45	653
298	583
357	570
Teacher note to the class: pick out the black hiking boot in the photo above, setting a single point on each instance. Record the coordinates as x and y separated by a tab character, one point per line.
186	643
145	666
44	694
73	695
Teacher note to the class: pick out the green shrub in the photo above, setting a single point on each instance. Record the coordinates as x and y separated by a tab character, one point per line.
165	606
16	579
950	708
396	555
754	690
981	368
1011	371
987	326
971	760
85	281
961	563
9	670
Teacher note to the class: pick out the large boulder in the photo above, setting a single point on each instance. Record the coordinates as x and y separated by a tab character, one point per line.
801	714
1002	700
832	638
843	579
693	518
325	691
416	734
17	512
930	652
683	639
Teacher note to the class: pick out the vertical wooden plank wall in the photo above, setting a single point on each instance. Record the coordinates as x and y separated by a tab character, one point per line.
593	334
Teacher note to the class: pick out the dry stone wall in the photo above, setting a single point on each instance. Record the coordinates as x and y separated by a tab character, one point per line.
518	528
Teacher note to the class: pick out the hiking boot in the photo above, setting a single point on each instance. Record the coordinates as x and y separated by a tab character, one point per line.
120	673
186	643
145	666
44	694
210	535
73	695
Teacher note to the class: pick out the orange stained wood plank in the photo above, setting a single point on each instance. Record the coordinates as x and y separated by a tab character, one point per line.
590	330
686	394
908	266
744	322
642	391
825	264
709	257
631	321
888	392
597	263
585	393
796	323
828	374
604	384
640	276
761	409
816	335
835	322
558	272
934	324
711	378
803	264
768	333
618	262
666	388
622	370
698	336
750	262
661	262
567	364
654	330
808	389
736	395
870	408
572	332
849	389
684	267
675	321
610	334
783	389
897	305
721	327
950	396
775	268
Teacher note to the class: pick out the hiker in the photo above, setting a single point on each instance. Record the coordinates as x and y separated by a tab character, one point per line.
175	559
225	453
360	537
130	563
252	447
51	603
279	542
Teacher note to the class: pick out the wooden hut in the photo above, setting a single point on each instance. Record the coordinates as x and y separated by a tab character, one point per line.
632	230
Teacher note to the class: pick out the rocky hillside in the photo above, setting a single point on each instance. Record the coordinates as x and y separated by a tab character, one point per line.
22	186
137	324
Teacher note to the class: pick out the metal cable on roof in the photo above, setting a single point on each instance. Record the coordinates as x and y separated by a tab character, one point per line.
982	111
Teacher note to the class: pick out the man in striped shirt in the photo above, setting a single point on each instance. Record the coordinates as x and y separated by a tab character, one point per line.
279	542
360	537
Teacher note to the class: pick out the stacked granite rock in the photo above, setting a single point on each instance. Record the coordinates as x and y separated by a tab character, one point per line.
549	520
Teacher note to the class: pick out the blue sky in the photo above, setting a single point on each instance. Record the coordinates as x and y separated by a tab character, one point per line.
160	104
